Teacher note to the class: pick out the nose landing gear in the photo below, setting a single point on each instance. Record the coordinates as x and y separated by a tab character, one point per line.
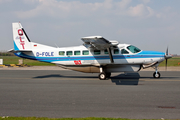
156	74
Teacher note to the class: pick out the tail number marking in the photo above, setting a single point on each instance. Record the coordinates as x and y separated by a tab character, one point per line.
77	62
44	54
20	32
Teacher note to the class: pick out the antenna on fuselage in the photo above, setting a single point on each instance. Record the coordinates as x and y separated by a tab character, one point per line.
56	45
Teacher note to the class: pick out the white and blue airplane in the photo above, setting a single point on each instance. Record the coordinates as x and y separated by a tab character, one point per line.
96	55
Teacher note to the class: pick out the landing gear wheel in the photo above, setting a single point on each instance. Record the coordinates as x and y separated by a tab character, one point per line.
102	76
156	75
108	74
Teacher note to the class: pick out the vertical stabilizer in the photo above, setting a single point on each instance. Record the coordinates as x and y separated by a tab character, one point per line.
21	40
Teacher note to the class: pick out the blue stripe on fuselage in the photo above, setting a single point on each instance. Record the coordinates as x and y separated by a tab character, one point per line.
142	54
150	53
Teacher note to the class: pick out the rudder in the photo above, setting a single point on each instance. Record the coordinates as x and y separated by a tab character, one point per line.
21	40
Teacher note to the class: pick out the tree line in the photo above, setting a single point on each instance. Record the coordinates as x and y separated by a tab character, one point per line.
6	54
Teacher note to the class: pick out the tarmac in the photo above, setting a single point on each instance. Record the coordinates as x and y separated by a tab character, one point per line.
59	93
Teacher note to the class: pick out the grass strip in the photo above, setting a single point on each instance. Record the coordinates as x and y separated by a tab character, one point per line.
15	60
43	118
89	118
175	61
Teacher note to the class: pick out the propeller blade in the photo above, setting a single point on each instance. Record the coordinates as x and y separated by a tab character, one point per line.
166	64
167	51
167	56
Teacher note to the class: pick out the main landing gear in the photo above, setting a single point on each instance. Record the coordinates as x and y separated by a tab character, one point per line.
104	75
156	74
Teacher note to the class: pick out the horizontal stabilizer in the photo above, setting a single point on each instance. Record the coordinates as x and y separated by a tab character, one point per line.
15	51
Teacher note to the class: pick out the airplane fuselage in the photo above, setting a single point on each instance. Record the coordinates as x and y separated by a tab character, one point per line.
80	58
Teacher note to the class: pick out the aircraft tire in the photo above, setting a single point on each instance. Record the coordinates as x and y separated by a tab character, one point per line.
156	75
108	74
102	76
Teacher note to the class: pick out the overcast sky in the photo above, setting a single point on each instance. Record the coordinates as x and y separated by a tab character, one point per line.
147	24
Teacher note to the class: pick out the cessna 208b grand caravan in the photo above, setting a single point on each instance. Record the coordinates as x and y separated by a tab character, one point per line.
96	55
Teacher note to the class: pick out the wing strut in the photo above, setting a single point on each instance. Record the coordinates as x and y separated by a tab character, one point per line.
110	55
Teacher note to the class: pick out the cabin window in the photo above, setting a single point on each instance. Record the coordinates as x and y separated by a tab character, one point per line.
61	53
133	49
69	53
106	51
97	52
123	51
77	53
85	52
116	51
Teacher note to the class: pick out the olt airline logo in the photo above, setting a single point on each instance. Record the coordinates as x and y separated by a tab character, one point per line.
20	33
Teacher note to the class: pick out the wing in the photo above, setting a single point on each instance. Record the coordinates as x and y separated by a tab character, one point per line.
98	42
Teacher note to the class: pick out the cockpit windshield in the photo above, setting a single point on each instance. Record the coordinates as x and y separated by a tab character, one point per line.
133	49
